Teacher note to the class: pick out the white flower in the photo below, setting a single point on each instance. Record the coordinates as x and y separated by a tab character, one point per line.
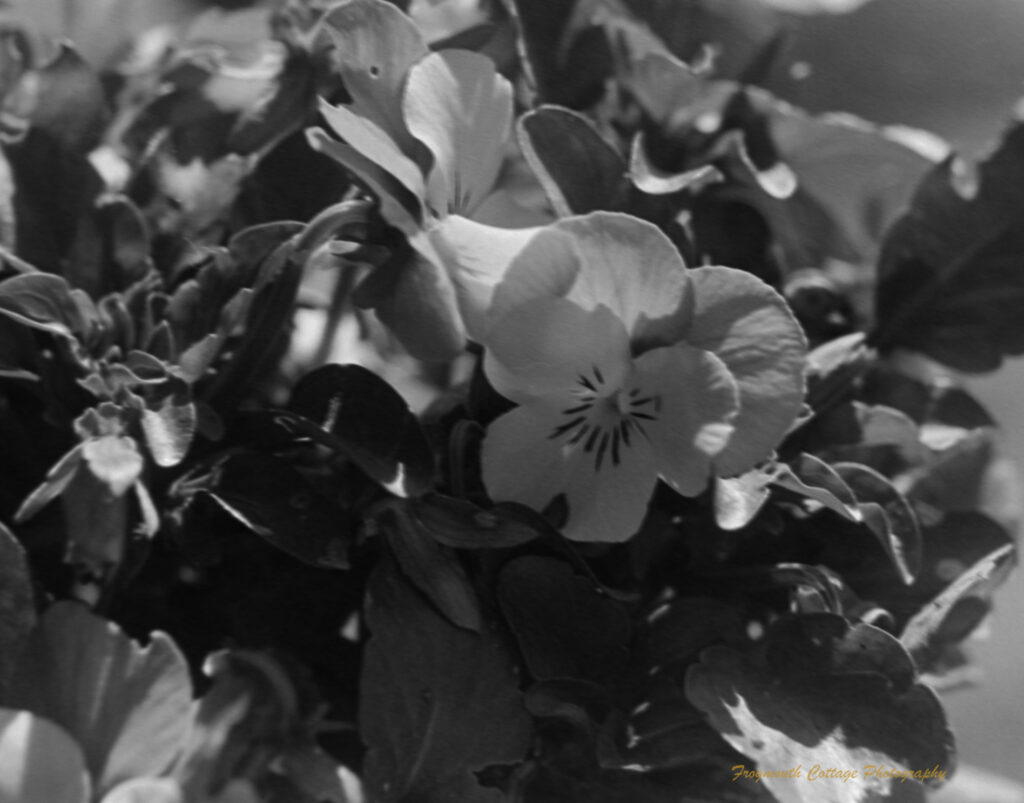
628	367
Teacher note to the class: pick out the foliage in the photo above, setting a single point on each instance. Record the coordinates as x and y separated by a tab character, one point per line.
511	401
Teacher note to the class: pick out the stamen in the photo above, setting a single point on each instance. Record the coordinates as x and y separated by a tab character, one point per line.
601	449
562	429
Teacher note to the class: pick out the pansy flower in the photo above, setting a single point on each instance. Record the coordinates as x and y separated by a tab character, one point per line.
629	367
426	133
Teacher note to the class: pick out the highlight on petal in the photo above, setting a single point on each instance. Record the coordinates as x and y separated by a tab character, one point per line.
530	457
554	346
375	46
457	105
684	400
39	761
477	257
607	258
750	328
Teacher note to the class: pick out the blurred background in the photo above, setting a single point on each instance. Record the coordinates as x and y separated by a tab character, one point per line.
954	67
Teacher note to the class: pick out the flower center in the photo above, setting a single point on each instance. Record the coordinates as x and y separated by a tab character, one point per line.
606	418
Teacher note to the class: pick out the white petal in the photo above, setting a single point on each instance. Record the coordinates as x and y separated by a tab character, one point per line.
553	346
520	462
609	504
609	259
607	499
695	399
750	328
457	105
477	257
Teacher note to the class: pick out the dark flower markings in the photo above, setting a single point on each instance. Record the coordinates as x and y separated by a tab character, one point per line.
605	421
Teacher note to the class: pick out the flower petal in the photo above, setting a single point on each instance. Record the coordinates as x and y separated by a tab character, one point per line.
375	144
554	346
457	105
522	463
477	257
39	761
375	47
697	398
607	258
750	328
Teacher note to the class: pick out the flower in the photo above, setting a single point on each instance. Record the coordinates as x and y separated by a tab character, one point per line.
628	367
426	133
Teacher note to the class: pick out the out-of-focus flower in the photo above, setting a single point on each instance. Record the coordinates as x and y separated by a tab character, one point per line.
426	133
627	367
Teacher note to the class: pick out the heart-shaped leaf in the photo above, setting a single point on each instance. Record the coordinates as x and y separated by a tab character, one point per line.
948	279
565	626
579	171
271	498
370	423
42	301
462	525
437	702
823	692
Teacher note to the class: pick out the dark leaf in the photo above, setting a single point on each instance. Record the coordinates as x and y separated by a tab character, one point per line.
273	500
889	516
17	607
815	479
433	568
949	283
462	525
371	423
823	692
565	626
579	170
936	624
437	703
128	707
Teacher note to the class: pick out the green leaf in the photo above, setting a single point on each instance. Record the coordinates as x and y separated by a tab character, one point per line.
271	498
821	691
129	707
433	568
17	606
888	515
949	283
42	301
939	622
462	525
579	171
815	479
437	703
39	761
369	422
566	627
